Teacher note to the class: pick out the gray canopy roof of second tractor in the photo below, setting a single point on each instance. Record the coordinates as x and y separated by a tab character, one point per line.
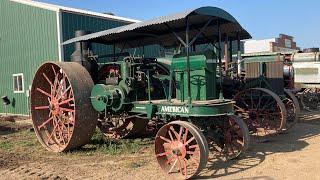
164	30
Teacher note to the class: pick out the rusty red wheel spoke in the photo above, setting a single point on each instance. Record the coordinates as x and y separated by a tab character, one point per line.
185	164
60	131
47	79
174	132
170	135
41	107
191	152
193	146
185	136
180	166
180	133
165	139
66	101
67	109
189	141
60	87
46	122
65	92
53	89
163	154
54	71
173	165
52	132
44	92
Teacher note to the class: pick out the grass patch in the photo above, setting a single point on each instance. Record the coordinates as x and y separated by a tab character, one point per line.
113	147
27	143
5	145
99	143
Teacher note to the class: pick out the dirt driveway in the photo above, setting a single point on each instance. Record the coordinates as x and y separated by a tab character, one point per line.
294	155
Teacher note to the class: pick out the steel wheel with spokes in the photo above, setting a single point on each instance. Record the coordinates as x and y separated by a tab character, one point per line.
122	126
181	149
228	137
262	110
293	109
310	99
62	115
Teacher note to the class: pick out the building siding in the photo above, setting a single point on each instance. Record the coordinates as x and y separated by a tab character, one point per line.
72	22
28	36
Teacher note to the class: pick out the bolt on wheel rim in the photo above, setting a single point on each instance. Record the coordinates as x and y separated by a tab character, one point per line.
181	149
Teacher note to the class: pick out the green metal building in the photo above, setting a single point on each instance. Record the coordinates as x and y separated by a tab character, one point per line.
31	33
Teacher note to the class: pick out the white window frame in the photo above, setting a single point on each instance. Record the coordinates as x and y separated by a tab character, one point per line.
17	75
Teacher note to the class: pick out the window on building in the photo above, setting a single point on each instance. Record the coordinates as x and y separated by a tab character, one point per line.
18	84
287	43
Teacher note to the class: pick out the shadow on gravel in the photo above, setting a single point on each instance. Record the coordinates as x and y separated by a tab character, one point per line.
294	140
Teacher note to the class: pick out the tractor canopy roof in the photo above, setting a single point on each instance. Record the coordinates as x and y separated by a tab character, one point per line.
170	31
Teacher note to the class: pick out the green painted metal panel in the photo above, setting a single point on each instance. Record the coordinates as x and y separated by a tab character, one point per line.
167	109
271	58
28	37
72	22
202	77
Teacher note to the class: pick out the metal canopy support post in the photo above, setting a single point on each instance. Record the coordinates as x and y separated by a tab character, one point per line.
114	52
238	54
188	59
220	62
143	51
226	52
230	50
230	54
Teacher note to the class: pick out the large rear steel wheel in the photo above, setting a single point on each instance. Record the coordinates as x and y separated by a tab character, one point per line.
293	109
62	115
181	150
262	110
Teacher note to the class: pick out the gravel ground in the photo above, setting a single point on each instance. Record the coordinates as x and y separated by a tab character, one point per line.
293	155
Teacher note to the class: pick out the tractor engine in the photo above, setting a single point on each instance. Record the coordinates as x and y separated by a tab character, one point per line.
122	82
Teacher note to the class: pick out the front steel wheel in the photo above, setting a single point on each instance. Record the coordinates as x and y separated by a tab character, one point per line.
181	149
62	115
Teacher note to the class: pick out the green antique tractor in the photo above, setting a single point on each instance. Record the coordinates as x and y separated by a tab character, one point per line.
265	100
69	99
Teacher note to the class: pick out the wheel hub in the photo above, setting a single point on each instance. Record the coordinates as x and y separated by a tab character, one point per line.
54	106
178	149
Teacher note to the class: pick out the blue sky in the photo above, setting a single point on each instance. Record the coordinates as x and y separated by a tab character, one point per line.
262	18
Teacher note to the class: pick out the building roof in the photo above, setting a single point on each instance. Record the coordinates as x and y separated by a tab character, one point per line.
73	10
159	30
